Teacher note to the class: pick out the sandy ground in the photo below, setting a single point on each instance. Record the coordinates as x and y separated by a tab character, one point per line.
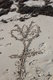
39	65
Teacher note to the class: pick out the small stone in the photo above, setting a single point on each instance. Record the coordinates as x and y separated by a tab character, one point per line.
6	69
0	52
13	8
1	38
39	75
51	78
22	19
4	21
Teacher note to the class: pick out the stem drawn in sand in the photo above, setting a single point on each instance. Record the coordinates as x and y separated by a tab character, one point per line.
26	34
